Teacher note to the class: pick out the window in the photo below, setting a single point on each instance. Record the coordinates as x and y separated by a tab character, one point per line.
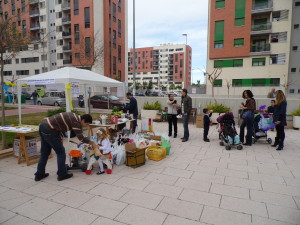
220	4
176	58
17	61
228	63
77	35
7	73
87	47
30	60
258	82
36	71
176	69
296	26
119	5
44	57
293	70
279	37
258	61
77	55
292	91
76	7
114	11
239	42
180	74
219	34
22	72
119	53
36	46
298	91
240	10
181	63
218	83
297	3
87	18
119	28
280	15
114	65
295	48
277	59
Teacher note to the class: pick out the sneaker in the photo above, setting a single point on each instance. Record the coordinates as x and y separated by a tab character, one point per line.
100	172
67	176
40	177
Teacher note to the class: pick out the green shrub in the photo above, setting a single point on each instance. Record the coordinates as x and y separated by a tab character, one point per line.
296	112
60	110
218	108
115	109
154	106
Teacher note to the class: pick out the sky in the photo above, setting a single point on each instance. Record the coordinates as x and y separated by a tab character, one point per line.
164	21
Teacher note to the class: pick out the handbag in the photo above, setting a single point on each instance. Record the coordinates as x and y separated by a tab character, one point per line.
247	115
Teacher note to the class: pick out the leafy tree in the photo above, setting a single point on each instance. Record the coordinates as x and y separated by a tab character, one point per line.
150	85
172	87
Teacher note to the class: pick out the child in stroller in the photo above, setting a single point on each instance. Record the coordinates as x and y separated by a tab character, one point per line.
262	123
227	132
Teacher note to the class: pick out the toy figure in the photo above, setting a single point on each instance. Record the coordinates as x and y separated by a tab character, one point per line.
94	156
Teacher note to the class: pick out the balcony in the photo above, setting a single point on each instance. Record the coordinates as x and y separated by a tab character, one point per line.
67	48
34	13
35	26
261	29
263	7
32	2
67	62
260	50
66	35
66	20
66	6
155	53
35	39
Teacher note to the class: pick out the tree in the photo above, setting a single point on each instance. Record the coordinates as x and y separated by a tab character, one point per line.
145	85
179	87
11	39
137	86
228	85
150	85
212	77
172	87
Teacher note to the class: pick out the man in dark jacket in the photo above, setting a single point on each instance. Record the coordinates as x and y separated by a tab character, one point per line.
132	107
186	108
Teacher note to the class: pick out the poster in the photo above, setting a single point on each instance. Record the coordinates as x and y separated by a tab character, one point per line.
40	81
75	89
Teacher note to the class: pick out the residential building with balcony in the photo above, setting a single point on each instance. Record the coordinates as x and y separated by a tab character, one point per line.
251	42
89	34
164	65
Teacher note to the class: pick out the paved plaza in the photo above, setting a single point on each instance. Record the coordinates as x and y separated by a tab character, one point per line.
199	183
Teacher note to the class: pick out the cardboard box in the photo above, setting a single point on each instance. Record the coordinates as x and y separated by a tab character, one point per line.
155	138
31	146
199	121
135	157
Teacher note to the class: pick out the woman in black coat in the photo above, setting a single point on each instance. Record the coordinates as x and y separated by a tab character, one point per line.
279	117
248	107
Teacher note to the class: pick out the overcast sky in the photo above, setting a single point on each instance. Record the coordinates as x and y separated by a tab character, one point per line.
164	21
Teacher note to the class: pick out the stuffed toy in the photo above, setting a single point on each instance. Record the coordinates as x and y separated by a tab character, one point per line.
94	155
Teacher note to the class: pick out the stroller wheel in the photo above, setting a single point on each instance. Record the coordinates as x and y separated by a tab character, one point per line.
253	140
239	147
269	140
221	143
227	148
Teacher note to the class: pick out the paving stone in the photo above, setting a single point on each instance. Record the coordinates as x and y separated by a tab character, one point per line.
202	198
202	169
70	216
143	199
204	177
265	221
109	191
181	208
242	168
105	221
164	190
103	207
219	216
266	178
20	220
131	183
5	215
230	191
244	183
135	215
232	173
161	178
174	220
37	209
284	214
193	184
297	200
244	206
273	198
281	189
177	172
20	183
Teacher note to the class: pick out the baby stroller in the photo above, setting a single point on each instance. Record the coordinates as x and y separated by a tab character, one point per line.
262	123
227	132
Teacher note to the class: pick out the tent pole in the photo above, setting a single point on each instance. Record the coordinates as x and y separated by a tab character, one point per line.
19	102
85	96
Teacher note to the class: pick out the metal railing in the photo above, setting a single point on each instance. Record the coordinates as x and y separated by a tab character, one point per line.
35	25
263	5
66	34
66	19
261	27
65	5
266	48
33	1
34	12
67	48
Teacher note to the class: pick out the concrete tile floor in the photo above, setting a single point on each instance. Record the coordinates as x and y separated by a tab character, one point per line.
199	183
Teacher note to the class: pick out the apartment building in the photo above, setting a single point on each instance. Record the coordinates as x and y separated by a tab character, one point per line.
255	43
164	65
90	34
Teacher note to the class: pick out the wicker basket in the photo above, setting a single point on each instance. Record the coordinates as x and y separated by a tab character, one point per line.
156	153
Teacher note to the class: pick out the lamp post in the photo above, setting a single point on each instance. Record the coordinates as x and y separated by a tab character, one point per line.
185	38
134	64
184	64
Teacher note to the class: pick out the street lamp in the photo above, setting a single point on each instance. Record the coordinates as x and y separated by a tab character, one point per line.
134	64
185	52
185	38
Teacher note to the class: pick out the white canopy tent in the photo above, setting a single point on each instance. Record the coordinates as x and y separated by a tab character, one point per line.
67	75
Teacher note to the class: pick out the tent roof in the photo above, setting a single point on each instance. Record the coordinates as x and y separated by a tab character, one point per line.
71	74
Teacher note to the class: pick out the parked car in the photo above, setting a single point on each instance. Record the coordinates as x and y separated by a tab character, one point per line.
27	95
57	98
101	101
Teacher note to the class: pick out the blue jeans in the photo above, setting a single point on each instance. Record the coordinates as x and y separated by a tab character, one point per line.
34	101
185	120
249	124
51	139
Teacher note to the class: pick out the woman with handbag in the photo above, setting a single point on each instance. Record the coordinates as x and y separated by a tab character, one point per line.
279	117
248	117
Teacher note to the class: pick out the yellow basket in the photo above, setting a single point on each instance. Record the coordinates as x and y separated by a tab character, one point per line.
156	153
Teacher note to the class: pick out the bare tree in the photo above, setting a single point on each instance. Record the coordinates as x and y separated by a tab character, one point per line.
212	77
228	85
11	40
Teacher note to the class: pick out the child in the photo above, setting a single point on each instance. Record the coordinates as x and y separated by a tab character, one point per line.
105	148
207	122
270	109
